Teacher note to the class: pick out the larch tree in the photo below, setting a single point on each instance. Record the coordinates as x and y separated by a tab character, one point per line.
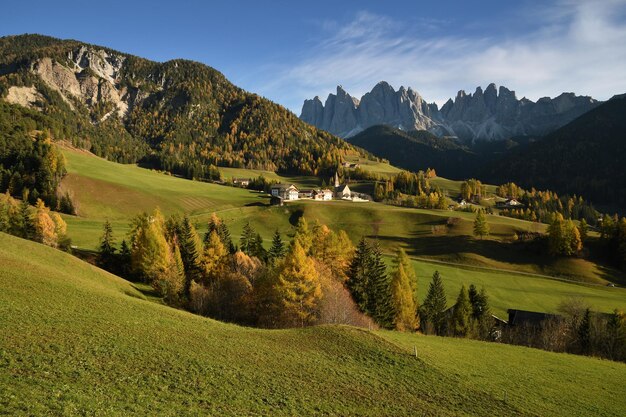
303	235
402	296
150	252
403	259
44	226
481	227
299	287
214	258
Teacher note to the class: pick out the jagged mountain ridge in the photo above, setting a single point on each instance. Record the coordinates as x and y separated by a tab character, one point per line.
180	116
492	114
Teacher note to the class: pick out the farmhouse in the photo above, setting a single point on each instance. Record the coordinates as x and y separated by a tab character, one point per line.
287	192
305	193
509	203
323	195
243	182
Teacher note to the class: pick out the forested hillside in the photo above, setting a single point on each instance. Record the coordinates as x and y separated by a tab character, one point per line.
180	116
585	157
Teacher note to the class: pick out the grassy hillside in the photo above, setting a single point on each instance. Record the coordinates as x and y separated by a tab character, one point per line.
518	291
104	189
79	341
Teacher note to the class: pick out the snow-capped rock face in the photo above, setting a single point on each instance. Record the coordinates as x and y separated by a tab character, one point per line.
492	114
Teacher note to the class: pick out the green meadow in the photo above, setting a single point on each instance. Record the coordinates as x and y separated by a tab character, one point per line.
106	190
79	341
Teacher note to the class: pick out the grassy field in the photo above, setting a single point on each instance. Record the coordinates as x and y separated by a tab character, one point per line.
509	290
79	341
104	190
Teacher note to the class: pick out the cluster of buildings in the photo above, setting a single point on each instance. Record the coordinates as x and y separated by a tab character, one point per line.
289	192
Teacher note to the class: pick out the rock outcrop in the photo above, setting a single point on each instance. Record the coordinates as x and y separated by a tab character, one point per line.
492	114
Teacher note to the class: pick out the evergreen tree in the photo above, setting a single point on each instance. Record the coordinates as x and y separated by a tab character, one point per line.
481	227
106	254
125	259
190	248
257	248
402	299
479	302
434	305
358	276
378	290
218	226
278	248
299	287
246	243
462	315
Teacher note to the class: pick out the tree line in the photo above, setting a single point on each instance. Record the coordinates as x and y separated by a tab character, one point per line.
37	223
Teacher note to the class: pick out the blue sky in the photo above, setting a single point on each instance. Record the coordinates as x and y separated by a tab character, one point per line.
291	50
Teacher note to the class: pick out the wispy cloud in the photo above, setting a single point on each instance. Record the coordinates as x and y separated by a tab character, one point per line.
577	46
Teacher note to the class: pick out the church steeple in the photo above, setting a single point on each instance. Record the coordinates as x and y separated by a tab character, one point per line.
337	180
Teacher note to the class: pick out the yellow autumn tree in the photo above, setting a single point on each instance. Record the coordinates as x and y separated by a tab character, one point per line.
214	257
45	228
150	252
298	287
402	300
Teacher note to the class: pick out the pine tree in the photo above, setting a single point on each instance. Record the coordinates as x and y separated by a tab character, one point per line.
218	226
462	315
358	276
435	304
278	248
378	290
402	298
106	254
257	248
481	227
299	287
190	248
246	243
124	256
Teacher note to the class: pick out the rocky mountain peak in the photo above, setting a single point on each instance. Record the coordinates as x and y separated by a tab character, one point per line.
491	114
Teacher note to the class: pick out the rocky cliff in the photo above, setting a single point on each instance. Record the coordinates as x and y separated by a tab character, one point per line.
492	114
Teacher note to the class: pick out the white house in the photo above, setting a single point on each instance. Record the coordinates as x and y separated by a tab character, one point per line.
285	191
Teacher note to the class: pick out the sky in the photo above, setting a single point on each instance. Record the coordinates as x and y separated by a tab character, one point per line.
289	51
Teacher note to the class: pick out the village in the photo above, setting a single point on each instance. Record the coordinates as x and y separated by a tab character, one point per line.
284	192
